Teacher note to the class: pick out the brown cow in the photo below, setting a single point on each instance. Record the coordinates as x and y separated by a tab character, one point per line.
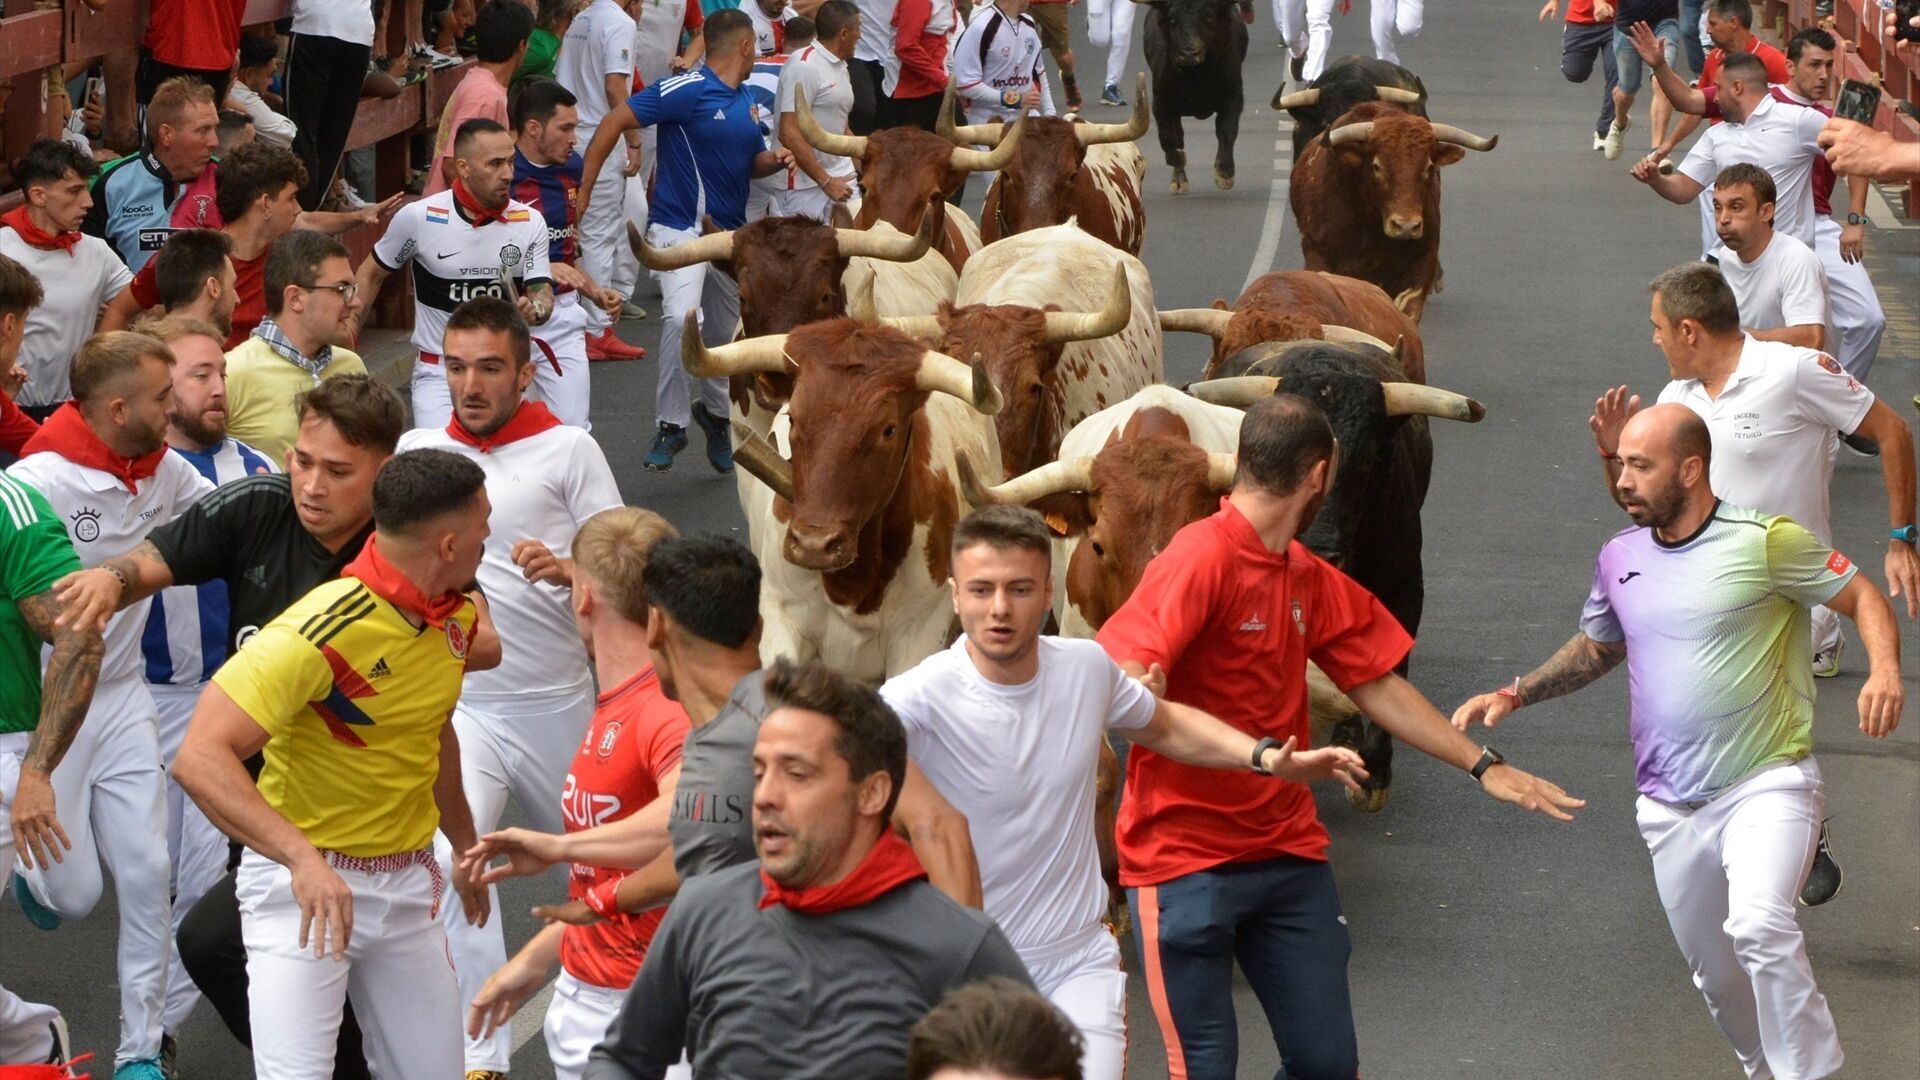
1295	305
1367	196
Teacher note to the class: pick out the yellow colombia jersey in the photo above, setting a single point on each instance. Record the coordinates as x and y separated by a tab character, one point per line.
354	698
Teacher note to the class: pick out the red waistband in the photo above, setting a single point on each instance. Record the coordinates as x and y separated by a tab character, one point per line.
387	864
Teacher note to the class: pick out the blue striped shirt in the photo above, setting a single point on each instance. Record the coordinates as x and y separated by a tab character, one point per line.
185	640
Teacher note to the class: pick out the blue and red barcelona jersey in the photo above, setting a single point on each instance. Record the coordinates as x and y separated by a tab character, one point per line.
554	191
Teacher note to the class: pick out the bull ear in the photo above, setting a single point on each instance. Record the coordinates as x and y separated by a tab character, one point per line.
1446	154
1220	305
1067	513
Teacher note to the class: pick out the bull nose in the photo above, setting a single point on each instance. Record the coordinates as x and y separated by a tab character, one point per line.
1405	228
818	547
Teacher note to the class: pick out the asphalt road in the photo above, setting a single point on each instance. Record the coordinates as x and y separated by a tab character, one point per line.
1488	943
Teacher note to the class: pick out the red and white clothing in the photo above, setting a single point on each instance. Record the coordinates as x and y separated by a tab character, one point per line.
81	274
602	41
996	56
918	66
821	77
769	31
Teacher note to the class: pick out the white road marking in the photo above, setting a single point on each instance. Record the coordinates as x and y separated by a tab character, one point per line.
1277	193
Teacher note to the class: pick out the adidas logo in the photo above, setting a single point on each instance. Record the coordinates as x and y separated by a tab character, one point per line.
719	114
380	670
257	576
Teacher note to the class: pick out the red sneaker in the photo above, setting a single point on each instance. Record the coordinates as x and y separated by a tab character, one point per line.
606	345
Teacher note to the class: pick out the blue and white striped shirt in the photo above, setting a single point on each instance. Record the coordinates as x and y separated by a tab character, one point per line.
185	640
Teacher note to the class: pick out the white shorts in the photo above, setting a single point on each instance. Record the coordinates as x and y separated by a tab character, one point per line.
812	202
577	1021
1083	978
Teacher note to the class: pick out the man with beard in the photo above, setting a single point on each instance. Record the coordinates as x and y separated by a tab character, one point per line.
195	276
1708	605
101	460
835	893
520	723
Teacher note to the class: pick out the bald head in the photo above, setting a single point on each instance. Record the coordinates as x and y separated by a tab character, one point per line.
1665	454
1672	433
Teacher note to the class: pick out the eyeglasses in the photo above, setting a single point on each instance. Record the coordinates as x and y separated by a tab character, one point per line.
347	289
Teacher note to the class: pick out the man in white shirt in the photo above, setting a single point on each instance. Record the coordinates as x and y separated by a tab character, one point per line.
769	19
82	273
259	59
1776	280
1008	725
520	723
596	63
102	461
996	65
816	182
329	39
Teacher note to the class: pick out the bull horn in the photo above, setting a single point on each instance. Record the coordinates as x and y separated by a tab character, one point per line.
1220	471
1299	99
1237	392
1415	399
861	308
968	382
967	159
1136	125
893	245
1196	320
1065	326
713	247
1347	335
744	357
762	462
1397	95
1351	133
964	134
1447	133
1053	478
848	146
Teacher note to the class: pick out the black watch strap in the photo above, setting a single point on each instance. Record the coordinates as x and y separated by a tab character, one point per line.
1260	751
1489	757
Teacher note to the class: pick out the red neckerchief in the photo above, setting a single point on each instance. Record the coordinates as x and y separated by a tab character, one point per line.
888	866
66	433
389	584
476	213
35	236
530	419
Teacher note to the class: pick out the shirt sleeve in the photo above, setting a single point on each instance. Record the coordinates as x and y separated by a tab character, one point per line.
616	47
1166	612
1803	569
1700	165
396	246
34	549
968	80
1597	619
275	675
145	286
1830	396
695	18
662	752
649	1033
590	484
116	277
202	544
909	39
1803	291
534	242
1130	704
1350	634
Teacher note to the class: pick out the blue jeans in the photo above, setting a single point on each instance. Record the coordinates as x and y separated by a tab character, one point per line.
1633	70
1281	920
1690	33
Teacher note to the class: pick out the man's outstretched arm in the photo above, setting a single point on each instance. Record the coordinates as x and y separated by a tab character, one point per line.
1581	661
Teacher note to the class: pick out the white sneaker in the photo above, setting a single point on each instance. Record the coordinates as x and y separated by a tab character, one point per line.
1611	144
1826	662
1599	141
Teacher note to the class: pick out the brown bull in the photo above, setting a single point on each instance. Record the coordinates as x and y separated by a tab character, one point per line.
1367	196
1296	305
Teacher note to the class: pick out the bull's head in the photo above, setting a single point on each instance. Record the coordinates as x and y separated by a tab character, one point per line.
1238	335
1193	26
1125	504
903	169
855	425
1040	186
1396	159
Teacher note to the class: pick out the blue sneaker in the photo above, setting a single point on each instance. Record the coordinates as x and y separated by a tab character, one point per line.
37	913
142	1069
1111	96
672	439
719	442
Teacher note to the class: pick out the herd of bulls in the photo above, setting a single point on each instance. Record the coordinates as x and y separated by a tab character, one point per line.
894	374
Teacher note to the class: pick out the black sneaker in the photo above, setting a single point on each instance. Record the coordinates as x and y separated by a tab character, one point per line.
671	439
719	442
62	1043
1824	877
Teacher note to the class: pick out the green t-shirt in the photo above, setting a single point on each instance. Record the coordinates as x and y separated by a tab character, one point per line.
34	553
543	49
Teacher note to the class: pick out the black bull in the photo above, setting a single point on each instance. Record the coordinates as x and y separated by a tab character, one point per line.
1345	83
1194	50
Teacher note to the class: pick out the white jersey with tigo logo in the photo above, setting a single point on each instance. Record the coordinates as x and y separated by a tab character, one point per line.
454	262
995	55
1019	761
542	487
1773	429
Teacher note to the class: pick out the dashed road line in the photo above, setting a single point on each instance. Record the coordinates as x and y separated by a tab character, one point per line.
1277	195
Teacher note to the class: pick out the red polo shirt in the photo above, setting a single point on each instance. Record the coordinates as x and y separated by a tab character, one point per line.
1234	625
249	282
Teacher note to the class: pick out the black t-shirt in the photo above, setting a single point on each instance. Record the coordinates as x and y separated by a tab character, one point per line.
1651	12
247	534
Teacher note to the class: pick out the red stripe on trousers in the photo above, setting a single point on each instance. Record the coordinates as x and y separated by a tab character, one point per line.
1149	915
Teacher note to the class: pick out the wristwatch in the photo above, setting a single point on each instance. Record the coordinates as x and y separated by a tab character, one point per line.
1906	534
1856	219
1260	751
1489	757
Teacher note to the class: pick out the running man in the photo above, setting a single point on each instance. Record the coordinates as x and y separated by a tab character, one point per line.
1008	726
347	694
519	723
1708	605
1587	38
997	71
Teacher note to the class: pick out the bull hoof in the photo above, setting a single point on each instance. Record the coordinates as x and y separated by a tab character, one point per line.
1223	180
1369	800
1179	184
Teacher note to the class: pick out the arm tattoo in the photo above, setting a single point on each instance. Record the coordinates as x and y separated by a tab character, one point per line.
137	568
1579	662
67	691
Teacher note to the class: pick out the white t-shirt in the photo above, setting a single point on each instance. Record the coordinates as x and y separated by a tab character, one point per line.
542	487
453	261
996	54
1778	138
876	29
348	20
105	521
267	124
764	41
822	77
656	39
1019	762
77	286
1773	429
1785	286
599	43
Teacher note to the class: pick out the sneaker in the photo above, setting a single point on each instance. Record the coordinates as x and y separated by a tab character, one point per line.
485	1074
1111	96
671	439
432	57
719	442
62	1042
1824	877
169	1057
1599	141
1611	145
1298	65
1860	444
606	345
1826	662
631	311
36	912
142	1069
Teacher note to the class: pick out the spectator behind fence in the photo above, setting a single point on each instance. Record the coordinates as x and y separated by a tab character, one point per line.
82	272
192	38
550	23
134	197
995	1029
311	301
327	57
259	61
501	32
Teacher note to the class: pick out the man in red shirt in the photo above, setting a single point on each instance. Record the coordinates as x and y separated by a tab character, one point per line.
1219	865
197	38
628	764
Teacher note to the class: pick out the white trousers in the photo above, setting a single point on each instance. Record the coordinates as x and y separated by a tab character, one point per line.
577	1021
1857	313
396	970
703	288
1311	41
604	252
197	847
25	1035
111	794
812	201
1110	26
1728	875
560	361
521	748
1083	978
1390	17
